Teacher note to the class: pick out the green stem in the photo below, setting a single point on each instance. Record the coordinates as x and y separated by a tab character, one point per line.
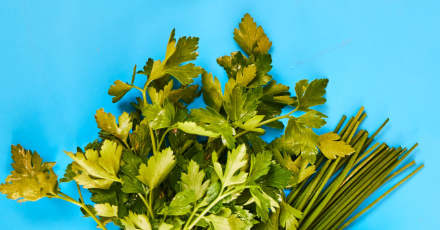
381	197
193	213
361	165
212	204
150	200
144	93
333	187
153	140
67	198
365	194
268	121
261	124
339	204
308	192
79	192
150	211
377	174
141	90
340	123
316	193
162	139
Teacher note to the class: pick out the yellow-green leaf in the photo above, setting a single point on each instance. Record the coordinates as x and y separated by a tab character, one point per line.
237	159
177	54
158	168
135	221
106	210
32	179
251	38
194	180
158	96
83	178
253	124
289	216
97	169
226	223
312	119
192	128
184	73
246	75
212	91
165	226
107	122
118	90
310	94
185	50
157	71
332	147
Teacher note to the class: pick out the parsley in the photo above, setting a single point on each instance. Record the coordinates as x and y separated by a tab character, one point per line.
163	166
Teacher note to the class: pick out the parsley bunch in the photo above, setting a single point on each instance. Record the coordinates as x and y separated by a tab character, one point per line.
164	166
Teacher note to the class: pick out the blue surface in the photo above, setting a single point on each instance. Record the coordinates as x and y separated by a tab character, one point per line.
58	59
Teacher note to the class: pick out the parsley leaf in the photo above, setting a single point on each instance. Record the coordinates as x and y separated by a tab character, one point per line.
176	54
237	159
289	216
118	90
310	94
106	210
299	139
212	91
136	222
332	147
97	169
157	169
32	179
159	117
241	104
194	180
211	120
231	222
260	165
107	122
251	38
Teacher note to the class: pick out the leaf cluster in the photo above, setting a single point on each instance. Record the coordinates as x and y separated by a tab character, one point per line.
164	166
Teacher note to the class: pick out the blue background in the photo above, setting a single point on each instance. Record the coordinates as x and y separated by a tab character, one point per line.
58	59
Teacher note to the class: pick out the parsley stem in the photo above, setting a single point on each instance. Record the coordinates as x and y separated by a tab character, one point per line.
162	139
279	117
153	140
144	94
67	198
267	122
261	124
79	193
150	211
142	91
133	76
150	199
220	197
362	164
193	213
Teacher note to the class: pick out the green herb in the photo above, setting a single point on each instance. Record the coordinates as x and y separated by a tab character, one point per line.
163	166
